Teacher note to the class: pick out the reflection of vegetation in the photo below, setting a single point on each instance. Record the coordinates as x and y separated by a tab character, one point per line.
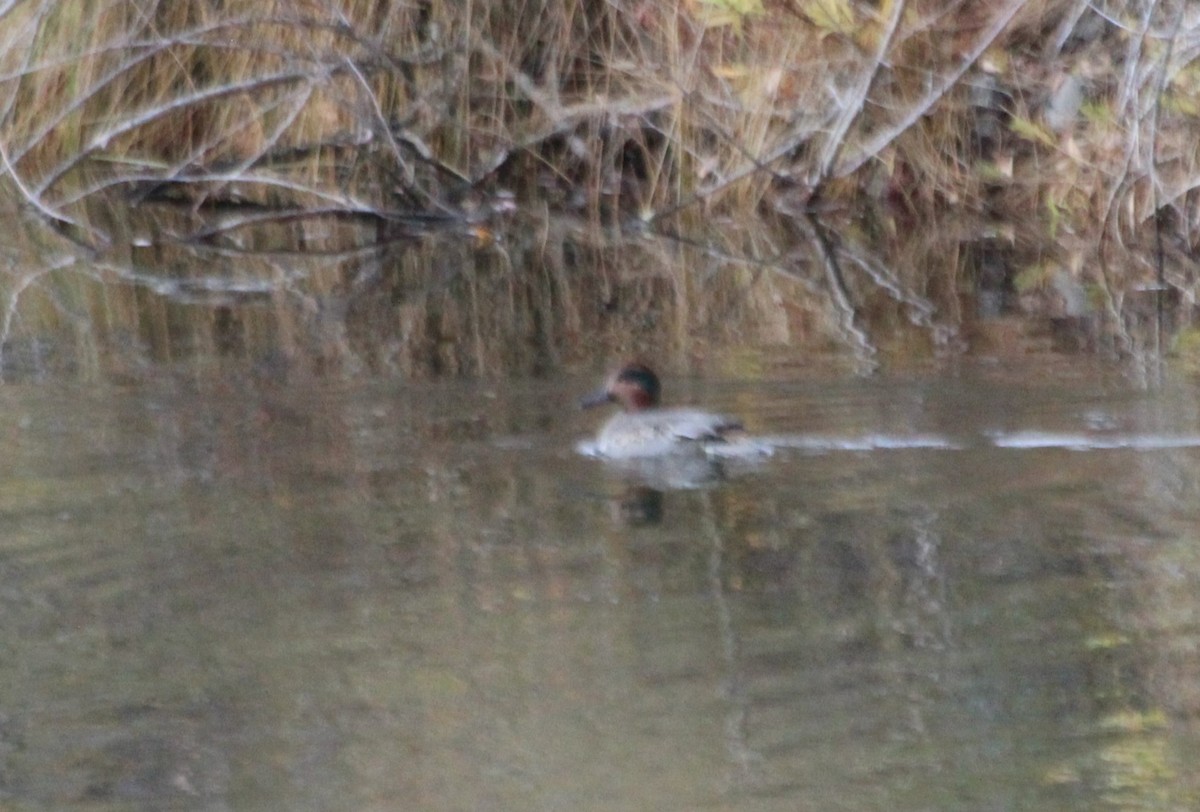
406	118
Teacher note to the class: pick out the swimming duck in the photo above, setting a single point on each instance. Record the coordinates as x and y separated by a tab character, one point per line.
642	429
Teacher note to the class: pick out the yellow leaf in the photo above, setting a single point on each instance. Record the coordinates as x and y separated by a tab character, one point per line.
1182	103
1033	277
717	13
737	71
994	61
831	16
1031	131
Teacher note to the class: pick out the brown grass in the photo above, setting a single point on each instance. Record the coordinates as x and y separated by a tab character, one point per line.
874	122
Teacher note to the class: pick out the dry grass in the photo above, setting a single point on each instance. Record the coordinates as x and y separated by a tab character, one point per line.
662	116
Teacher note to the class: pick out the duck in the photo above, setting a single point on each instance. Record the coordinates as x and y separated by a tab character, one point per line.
643	428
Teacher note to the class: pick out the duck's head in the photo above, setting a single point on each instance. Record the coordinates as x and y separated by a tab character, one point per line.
634	386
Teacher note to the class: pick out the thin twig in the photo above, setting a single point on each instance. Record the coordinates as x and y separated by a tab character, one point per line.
876	144
46	211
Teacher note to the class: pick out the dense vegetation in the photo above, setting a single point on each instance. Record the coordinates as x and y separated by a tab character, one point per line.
1045	150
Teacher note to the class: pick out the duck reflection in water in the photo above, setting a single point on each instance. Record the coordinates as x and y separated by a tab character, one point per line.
638	506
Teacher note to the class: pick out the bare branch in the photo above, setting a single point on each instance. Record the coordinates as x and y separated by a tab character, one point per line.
35	200
102	139
834	143
874	145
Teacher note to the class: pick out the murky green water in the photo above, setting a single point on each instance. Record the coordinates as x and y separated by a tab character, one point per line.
235	594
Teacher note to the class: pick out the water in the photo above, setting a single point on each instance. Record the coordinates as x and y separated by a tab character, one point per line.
950	590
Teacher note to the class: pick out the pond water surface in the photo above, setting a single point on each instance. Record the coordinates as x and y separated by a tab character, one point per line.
961	589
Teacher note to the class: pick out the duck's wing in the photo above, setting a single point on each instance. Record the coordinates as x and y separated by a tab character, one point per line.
697	426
